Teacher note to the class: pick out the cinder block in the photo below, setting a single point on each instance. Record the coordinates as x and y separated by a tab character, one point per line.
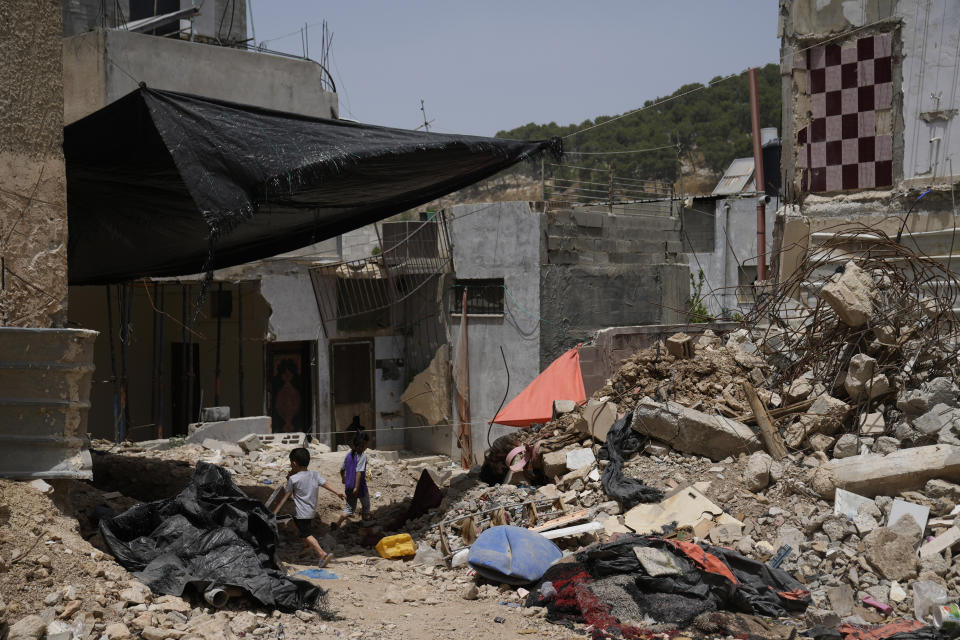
214	414
588	219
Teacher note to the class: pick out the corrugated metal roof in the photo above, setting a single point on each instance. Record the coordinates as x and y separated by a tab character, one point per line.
738	178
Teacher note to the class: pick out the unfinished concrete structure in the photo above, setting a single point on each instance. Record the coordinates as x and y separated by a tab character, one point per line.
154	372
45	369
546	277
869	109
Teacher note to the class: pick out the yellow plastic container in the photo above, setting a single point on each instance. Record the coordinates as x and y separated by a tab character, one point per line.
398	546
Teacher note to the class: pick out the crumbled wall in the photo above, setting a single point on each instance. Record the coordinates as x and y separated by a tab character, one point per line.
33	192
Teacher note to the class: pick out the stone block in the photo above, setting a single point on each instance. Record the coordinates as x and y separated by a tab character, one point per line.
872	424
225	448
847	445
903	470
561	407
798	390
680	345
692	431
214	414
250	443
598	417
862	379
228	430
555	464
937	419
386	456
756	476
588	219
892	555
825	416
580	458
850	294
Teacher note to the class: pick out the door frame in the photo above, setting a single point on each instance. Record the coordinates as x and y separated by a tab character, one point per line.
332	343
310	351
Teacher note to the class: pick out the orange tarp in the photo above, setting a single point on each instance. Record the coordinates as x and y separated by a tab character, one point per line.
560	381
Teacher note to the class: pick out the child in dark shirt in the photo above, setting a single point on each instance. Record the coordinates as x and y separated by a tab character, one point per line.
353	472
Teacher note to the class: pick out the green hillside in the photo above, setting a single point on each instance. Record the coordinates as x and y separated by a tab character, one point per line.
709	127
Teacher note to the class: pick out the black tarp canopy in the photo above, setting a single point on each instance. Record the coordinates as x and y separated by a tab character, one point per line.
158	181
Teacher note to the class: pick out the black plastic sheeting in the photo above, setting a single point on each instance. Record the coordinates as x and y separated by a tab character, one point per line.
210	535
621	443
606	587
156	181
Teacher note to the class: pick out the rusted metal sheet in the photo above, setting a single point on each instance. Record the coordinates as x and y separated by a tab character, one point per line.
45	379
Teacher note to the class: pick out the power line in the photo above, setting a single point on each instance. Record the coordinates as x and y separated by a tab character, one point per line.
610	153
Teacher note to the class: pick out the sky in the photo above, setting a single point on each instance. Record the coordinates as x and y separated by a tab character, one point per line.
490	65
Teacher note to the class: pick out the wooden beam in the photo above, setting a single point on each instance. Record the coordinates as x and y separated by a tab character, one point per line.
768	431
798	407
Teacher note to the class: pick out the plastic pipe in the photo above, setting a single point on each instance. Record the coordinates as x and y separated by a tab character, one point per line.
216	597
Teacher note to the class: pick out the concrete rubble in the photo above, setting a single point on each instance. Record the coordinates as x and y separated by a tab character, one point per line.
864	505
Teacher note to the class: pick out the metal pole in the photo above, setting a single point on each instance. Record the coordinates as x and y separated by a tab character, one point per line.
216	382
240	344
113	370
758	174
160	399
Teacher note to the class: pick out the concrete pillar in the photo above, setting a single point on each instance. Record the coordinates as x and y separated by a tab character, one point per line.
33	187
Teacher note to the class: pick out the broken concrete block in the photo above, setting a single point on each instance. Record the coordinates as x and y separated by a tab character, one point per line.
555	464
942	489
229	430
725	534
680	345
598	417
850	294
799	389
656	449
41	486
941	543
847	445
826	415
756	476
225	448
931	393
737	338
693	431
841	600
561	407
580	458
820	442
872	424
250	443
214	414
940	417
862	379
891	554
688	508
577	474
903	470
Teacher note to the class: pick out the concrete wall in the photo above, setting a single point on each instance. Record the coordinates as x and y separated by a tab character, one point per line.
33	190
601	359
102	66
603	270
735	245
502	240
